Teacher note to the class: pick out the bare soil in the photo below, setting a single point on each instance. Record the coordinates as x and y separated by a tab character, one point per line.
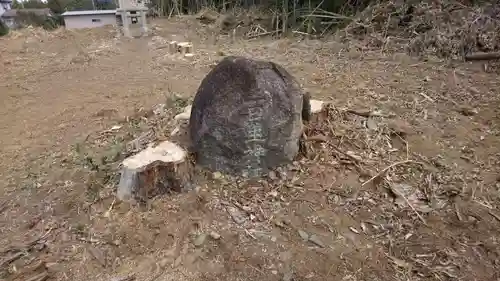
341	213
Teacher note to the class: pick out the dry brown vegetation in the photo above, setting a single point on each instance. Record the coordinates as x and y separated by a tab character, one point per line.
400	181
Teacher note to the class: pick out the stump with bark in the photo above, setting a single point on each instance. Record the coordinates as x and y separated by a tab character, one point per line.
154	171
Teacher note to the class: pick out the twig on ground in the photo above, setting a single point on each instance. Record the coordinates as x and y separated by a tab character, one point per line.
366	113
3	206
39	277
497	217
457	211
334	16
256	269
301	33
129	277
10	259
92	240
388	168
107	214
398	193
262	34
483	56
426	96
386	29
28	245
250	234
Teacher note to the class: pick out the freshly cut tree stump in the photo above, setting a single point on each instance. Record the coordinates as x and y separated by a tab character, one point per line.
172	47
185	48
154	171
317	106
317	113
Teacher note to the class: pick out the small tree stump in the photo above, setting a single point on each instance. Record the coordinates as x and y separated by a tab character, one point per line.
172	47
154	171
317	106
317	111
185	48
318	115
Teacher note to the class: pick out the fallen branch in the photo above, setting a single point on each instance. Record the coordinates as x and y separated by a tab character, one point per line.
301	33
10	259
483	56
262	34
27	246
379	174
130	277
366	113
332	16
321	138
39	277
3	206
497	217
400	194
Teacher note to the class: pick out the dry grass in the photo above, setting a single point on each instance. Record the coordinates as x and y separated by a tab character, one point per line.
446	29
399	181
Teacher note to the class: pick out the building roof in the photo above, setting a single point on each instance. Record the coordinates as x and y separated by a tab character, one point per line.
89	12
14	12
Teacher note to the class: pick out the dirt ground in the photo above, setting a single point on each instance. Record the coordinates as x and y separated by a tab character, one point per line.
401	183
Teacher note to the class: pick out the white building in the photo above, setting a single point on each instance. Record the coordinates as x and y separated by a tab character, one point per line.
89	19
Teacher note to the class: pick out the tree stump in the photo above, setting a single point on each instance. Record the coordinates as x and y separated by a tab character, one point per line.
185	48
172	47
154	171
317	113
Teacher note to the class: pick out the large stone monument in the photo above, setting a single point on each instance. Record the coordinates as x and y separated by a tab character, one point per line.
246	118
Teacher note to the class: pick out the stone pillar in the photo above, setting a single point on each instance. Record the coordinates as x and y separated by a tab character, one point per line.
126	24
144	23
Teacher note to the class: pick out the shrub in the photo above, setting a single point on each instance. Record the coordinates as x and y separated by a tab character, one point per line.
4	29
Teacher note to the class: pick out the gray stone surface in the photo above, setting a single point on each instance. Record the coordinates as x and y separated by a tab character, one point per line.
246	117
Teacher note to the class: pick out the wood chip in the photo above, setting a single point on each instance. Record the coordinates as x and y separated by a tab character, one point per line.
200	240
215	235
315	239
354	230
400	263
467	111
304	235
371	124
